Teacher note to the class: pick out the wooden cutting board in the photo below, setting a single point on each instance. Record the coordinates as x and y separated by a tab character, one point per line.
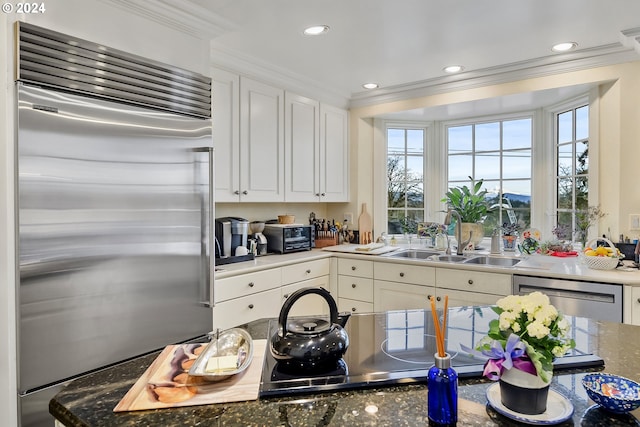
365	226
157	387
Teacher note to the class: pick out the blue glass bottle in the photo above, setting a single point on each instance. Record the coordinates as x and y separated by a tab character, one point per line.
442	400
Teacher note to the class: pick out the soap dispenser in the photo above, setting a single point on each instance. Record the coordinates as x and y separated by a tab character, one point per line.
495	242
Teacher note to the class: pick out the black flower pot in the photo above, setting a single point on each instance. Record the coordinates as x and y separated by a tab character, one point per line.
530	401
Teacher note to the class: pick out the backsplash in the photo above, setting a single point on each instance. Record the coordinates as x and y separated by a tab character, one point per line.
267	211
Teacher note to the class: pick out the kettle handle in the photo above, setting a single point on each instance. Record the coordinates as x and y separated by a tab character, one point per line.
296	295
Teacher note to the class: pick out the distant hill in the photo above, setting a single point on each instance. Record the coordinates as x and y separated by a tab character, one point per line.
518	197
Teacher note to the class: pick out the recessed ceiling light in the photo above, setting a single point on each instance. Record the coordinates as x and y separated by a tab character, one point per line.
453	69
316	30
563	47
370	85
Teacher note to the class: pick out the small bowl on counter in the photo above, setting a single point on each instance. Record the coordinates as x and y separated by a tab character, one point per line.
229	353
612	392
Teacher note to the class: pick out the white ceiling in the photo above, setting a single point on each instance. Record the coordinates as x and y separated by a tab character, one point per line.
398	42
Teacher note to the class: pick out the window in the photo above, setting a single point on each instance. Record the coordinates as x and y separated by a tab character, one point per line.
499	153
405	179
572	167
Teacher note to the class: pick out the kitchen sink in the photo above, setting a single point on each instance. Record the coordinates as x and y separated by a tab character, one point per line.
489	260
412	254
451	258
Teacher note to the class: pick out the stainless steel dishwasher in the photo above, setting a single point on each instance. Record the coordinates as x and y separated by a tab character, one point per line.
600	301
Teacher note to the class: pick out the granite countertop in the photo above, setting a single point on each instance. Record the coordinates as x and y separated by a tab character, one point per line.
534	265
89	401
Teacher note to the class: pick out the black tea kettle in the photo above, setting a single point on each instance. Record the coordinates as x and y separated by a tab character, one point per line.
308	343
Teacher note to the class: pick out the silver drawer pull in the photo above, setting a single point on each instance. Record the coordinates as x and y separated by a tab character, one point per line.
401	274
470	281
353	267
353	309
308	271
438	299
250	306
251	284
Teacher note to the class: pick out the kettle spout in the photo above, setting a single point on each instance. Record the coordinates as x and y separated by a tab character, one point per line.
343	318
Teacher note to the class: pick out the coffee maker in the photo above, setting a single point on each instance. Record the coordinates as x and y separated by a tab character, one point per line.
231	234
261	241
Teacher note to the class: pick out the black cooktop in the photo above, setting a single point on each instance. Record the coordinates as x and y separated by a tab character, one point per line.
397	347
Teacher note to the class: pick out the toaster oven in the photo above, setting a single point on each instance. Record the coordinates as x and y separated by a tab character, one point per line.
286	238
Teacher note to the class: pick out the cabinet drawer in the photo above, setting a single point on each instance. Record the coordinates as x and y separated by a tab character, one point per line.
246	309
245	284
400	296
354	306
305	270
357	288
404	273
476	281
355	267
307	305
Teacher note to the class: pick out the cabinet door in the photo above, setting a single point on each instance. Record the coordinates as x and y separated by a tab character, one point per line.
308	305
466	299
226	135
302	149
400	296
261	142
334	154
474	281
354	306
246	309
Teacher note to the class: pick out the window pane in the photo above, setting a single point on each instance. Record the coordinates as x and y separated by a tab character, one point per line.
518	192
582	192
414	168
582	157
415	195
460	139
394	221
516	134
396	194
565	221
565	157
488	136
582	122
565	193
565	127
516	164
413	218
395	168
487	166
460	167
395	141
415	141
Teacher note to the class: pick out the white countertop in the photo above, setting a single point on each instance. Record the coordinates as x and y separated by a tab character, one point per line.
534	265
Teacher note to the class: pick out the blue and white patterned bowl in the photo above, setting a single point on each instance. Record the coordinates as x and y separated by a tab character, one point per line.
614	393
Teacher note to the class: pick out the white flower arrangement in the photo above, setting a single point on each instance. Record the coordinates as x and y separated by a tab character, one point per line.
528	334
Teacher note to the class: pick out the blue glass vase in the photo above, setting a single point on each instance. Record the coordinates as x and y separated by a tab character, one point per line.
442	398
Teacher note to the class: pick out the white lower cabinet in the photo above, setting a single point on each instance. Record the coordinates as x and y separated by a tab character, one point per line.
467	287
400	296
246	309
307	305
354	306
355	286
631	310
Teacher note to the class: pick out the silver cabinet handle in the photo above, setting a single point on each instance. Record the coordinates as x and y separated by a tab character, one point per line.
323	194
318	194
308	271
353	268
251	284
245	192
470	281
353	309
429	296
438	299
236	192
250	306
401	274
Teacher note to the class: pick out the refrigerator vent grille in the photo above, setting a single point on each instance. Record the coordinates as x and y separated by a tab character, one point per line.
53	59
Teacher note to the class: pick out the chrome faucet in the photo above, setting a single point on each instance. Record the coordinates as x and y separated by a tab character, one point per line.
447	221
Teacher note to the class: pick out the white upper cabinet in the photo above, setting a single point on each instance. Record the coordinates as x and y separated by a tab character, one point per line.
316	151
302	148
226	134
334	154
261	142
276	147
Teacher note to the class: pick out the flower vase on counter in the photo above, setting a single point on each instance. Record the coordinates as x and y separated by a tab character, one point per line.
509	242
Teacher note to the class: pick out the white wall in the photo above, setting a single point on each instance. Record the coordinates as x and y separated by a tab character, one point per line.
98	21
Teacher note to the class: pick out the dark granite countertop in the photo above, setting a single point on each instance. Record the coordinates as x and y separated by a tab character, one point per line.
89	401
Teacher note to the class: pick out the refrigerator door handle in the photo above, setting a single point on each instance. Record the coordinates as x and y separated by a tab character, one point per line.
208	270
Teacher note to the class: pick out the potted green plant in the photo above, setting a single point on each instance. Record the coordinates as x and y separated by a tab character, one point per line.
471	203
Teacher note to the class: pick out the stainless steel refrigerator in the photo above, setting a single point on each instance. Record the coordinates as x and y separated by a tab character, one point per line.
115	213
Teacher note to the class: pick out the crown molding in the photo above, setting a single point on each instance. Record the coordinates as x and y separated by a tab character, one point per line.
251	67
631	38
183	16
539	67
